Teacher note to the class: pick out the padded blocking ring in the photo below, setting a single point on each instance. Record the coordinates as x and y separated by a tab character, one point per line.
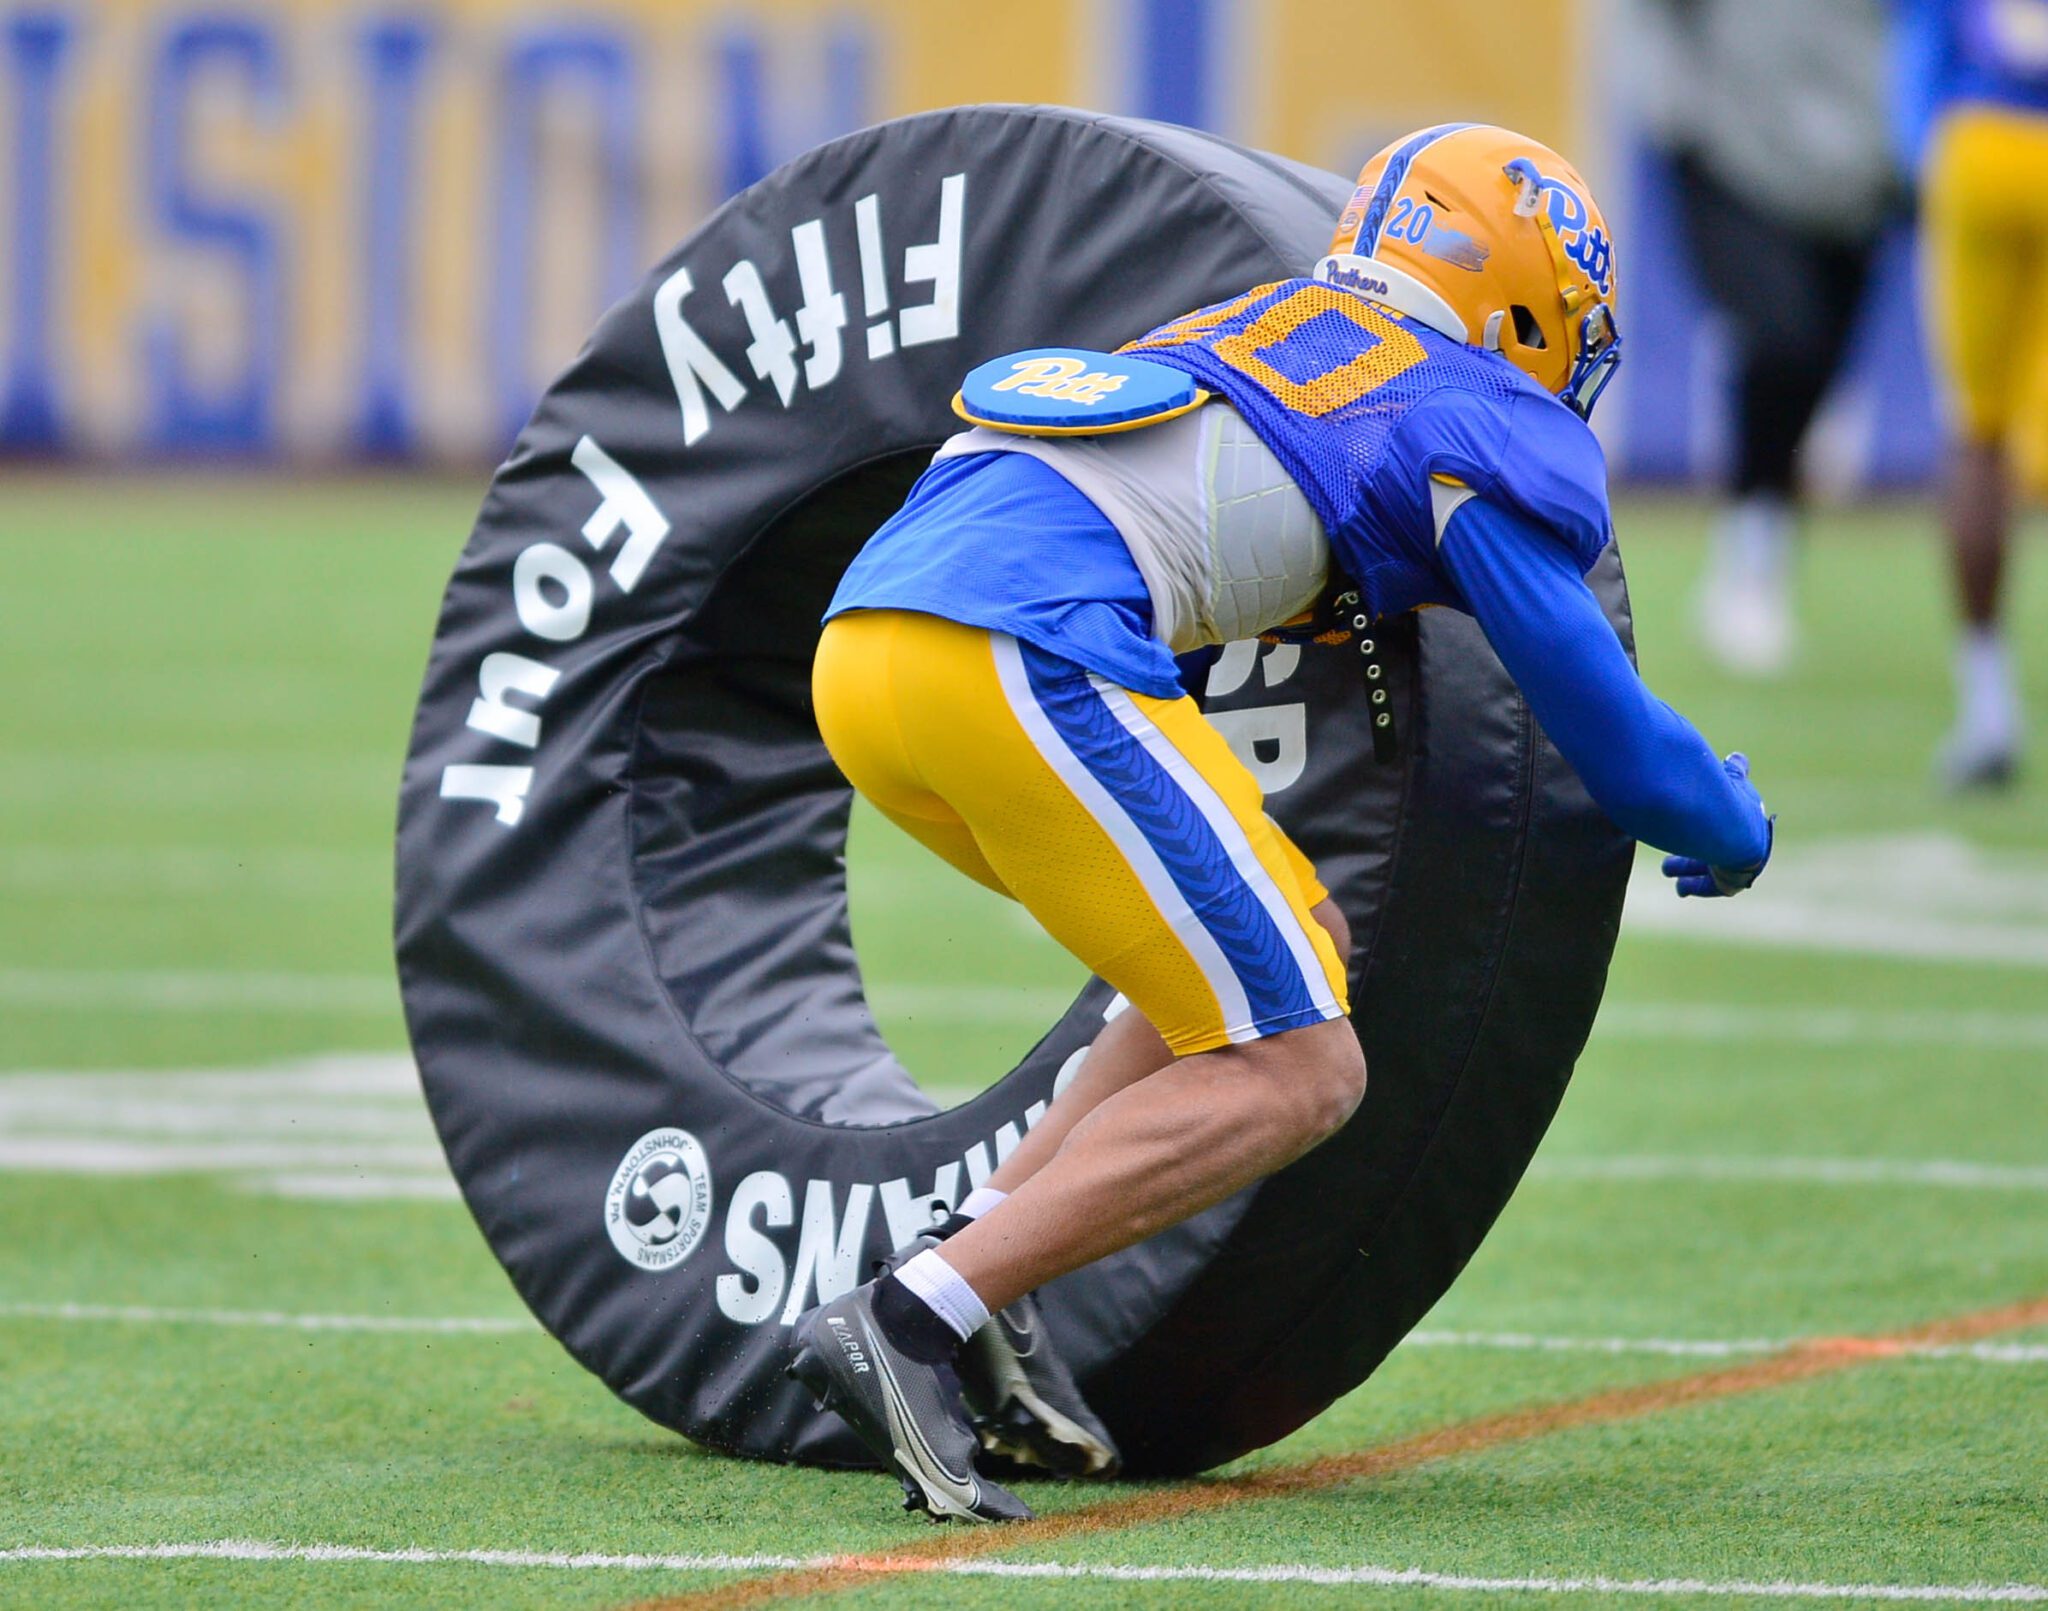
621	920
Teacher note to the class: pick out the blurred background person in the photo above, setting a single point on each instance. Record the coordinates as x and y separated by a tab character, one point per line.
1973	114
1772	114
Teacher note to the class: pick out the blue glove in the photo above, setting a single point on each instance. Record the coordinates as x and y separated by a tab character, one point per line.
1695	877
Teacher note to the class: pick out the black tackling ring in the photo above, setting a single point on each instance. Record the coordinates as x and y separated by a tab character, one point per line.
621	917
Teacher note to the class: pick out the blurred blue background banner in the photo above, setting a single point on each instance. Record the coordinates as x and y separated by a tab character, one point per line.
318	233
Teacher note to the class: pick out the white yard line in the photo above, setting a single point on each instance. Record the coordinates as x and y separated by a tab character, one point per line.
1931	896
1529	1342
1852	931
1736	1022
86	1155
185	990
344	1126
169	990
354	1127
265	1319
1938	1172
430	1183
1513	1341
237	1549
387	1076
1709	1348
882	1566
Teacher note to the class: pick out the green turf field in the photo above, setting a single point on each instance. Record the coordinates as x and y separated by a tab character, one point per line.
233	1281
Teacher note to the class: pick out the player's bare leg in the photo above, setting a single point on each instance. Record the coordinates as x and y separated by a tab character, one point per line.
1979	522
1146	1156
1127	1050
1161	1149
1026	1402
1983	749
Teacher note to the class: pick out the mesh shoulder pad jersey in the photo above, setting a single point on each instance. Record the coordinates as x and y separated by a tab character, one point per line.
1367	410
1428	473
1444	475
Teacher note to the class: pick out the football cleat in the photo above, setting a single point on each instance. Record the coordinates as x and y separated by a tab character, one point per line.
1971	763
908	1414
1025	1404
1748	630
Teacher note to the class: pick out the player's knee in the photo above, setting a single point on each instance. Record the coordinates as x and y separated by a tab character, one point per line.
1319	1074
1343	1079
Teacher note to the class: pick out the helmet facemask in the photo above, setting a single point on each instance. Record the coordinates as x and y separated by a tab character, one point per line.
1599	357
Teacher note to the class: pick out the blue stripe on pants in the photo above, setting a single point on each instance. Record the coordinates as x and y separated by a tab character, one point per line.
1195	859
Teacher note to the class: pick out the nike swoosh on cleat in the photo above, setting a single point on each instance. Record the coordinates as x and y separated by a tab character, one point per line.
1022	1334
910	1446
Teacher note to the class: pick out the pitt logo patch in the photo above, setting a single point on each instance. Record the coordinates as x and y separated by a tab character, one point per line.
1584	242
1072	391
1069	379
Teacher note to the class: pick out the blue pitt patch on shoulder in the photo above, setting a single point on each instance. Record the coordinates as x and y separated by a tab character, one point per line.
1072	390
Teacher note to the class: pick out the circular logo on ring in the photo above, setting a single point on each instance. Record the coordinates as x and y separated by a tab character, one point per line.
660	1200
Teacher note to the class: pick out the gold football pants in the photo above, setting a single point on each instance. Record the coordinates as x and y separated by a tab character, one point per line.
1123	823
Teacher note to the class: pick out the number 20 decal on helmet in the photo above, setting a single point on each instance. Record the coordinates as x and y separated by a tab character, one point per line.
1492	239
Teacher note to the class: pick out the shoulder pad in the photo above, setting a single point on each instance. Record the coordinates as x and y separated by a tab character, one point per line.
1529	452
1070	391
1553	469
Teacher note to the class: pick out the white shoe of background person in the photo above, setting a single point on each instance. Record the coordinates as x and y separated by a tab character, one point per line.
1745	598
1982	750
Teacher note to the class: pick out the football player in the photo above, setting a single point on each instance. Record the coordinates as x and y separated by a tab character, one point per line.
1783	168
1974	111
997	675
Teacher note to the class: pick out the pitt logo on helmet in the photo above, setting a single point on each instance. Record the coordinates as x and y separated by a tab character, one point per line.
1583	241
1491	239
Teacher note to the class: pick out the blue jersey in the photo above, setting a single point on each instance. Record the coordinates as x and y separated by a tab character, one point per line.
1363	406
1360	405
998	540
1984	52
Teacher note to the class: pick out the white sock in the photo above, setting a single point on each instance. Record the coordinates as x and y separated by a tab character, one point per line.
1753	540
1987	703
979	1201
943	1292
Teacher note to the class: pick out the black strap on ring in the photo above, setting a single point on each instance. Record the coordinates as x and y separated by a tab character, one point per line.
1386	742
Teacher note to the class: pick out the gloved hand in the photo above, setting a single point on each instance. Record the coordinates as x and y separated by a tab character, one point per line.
1695	877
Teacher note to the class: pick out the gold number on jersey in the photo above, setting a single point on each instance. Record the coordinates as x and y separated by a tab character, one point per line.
1394	351
1191	327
